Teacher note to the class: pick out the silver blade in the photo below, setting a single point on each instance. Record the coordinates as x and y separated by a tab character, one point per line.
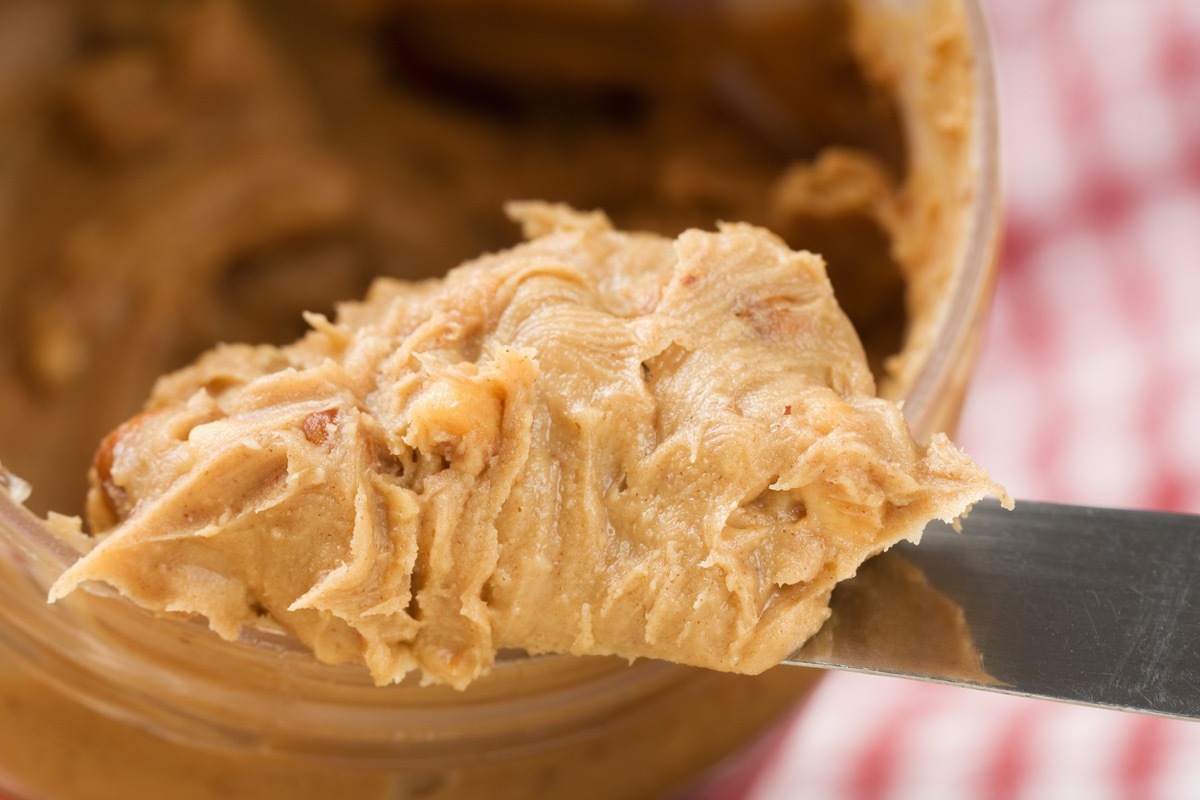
1084	605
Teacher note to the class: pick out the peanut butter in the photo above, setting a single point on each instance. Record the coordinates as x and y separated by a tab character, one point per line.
595	443
173	175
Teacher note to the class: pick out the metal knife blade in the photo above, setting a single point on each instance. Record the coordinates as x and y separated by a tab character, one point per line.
1085	605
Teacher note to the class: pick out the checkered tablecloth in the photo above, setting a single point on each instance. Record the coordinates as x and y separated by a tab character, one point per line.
1088	391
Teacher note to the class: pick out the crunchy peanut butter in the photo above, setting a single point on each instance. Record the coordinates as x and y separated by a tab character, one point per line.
177	174
594	443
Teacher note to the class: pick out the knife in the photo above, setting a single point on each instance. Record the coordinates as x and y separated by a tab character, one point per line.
1093	606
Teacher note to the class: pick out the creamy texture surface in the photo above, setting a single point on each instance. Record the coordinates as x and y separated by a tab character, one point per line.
593	443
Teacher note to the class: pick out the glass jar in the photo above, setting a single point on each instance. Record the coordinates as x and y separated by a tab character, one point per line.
99	700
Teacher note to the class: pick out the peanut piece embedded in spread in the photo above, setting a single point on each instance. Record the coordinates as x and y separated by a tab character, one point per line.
594	443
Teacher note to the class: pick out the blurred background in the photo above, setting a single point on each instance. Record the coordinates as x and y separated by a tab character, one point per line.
1087	391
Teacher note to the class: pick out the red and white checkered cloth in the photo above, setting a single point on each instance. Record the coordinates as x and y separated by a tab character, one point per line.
1088	391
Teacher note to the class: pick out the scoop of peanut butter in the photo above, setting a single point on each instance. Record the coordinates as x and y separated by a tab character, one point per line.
593	443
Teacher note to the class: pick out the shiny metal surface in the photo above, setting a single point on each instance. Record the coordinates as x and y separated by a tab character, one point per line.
1084	605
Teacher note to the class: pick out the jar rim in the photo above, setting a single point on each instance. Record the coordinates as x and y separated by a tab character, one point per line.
972	280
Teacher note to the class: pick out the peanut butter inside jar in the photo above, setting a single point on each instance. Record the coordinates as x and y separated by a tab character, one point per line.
178	174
